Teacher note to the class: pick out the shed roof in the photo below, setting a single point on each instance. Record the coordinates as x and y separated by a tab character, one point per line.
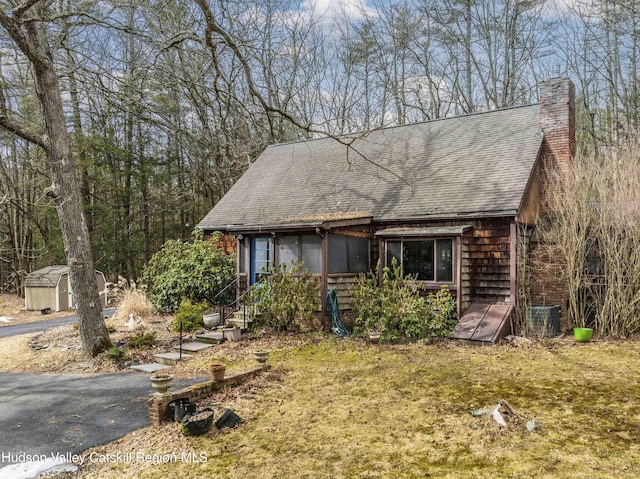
472	165
46	277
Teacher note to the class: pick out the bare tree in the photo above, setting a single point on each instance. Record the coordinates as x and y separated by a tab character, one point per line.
590	237
26	26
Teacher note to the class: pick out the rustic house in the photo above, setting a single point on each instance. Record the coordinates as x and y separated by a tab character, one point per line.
449	199
50	288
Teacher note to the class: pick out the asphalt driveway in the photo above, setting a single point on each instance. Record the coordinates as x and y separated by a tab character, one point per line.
26	328
49	414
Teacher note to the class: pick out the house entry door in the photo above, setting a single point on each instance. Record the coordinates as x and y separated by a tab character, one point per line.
261	256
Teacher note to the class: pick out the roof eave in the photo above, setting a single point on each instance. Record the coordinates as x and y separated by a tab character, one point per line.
451	216
306	225
266	228
328	225
532	173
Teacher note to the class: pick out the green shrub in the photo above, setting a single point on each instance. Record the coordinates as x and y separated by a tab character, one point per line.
142	340
115	354
286	298
445	313
196	271
394	307
416	320
190	314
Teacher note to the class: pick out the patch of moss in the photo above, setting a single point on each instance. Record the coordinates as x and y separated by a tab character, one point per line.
116	354
142	340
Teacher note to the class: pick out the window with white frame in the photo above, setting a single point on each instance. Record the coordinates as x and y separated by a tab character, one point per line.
425	259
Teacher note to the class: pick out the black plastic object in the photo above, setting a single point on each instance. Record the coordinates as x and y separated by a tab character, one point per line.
180	407
228	419
544	321
198	427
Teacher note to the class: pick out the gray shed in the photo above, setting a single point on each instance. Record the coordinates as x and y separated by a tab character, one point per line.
50	288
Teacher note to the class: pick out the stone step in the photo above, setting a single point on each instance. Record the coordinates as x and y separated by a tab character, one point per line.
239	316
250	312
169	359
192	348
149	368
232	333
210	338
239	323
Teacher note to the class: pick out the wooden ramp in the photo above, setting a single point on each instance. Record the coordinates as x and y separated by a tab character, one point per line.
484	323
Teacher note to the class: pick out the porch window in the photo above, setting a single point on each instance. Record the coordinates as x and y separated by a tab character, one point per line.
305	248
427	259
348	254
243	255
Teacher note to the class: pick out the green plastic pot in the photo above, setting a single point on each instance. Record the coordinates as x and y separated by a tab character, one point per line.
583	335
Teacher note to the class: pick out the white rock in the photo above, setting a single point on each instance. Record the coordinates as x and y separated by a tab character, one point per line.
532	426
497	417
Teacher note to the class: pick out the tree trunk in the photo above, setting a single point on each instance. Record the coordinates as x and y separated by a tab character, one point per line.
65	191
32	40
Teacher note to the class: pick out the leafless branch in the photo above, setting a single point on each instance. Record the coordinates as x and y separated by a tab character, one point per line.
14	128
20	10
212	27
20	132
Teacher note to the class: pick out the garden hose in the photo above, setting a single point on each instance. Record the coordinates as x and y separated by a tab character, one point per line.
332	308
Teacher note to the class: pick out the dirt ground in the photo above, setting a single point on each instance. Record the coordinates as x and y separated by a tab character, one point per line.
59	350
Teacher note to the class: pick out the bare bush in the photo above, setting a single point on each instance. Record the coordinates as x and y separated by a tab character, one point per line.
130	299
590	229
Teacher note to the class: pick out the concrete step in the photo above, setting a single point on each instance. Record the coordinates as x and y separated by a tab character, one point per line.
238	320
169	359
149	368
192	348
210	338
239	323
251	312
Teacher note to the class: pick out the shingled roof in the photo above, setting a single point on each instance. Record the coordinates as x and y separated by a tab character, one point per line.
47	277
472	165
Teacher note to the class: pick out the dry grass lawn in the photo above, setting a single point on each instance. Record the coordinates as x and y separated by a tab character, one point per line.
342	409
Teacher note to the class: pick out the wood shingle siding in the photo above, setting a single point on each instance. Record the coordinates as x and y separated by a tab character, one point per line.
342	283
487	262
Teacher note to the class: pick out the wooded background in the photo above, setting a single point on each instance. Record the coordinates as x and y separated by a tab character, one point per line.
163	122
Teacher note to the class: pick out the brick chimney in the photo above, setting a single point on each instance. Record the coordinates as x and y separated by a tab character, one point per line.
558	124
558	121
